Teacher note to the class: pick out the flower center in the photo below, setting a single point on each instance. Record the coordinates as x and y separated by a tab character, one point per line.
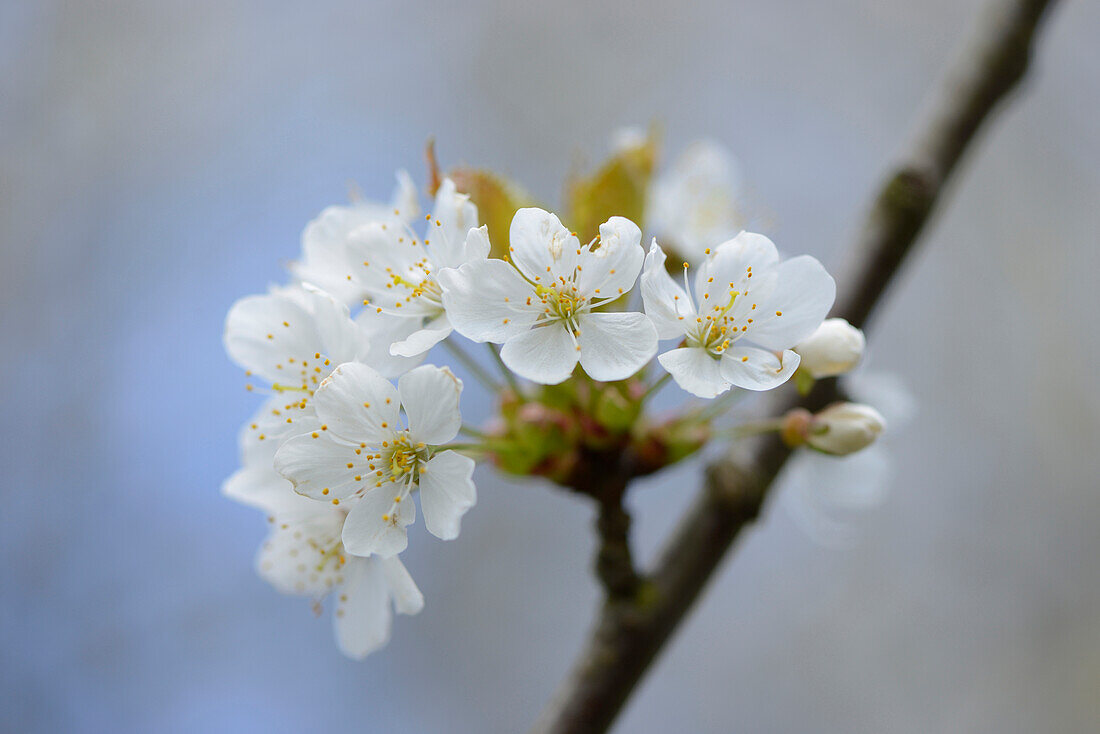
423	287
717	324
402	459
561	301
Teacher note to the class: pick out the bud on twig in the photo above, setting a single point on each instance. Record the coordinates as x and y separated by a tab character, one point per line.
844	428
840	429
835	348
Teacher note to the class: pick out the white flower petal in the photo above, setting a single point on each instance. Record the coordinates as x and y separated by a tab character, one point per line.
292	560
356	403
280	416
405	198
376	523
341	338
613	346
612	267
544	354
452	218
730	263
801	299
390	266
477	245
326	258
541	247
419	342
363	619
384	330
666	303
407	598
430	397
319	467
447	491
757	369
694	205
486	301
695	370
257	486
263	332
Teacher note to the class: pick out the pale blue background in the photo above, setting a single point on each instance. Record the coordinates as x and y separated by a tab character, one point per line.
159	159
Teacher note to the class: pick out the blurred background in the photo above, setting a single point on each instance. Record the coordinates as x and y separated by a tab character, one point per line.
158	160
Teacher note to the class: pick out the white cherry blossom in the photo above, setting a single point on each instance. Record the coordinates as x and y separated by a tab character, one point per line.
695	204
739	322
363	457
303	555
541	305
326	259
394	272
835	348
292	338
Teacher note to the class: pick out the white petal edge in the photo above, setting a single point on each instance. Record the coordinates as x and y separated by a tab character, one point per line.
695	371
357	403
544	354
486	301
447	491
430	396
758	369
366	533
614	346
363	621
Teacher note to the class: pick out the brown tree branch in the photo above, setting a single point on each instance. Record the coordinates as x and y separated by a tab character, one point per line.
631	630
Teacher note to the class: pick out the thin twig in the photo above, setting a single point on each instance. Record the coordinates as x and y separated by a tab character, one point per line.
629	635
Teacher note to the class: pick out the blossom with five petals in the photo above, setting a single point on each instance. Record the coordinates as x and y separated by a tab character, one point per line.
743	295
394	272
541	305
326	259
363	458
292	338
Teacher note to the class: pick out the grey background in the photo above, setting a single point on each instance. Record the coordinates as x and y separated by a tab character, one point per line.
159	159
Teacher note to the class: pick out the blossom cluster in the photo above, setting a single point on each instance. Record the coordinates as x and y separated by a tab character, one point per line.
356	429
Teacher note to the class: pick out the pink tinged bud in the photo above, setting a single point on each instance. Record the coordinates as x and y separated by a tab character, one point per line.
844	428
835	348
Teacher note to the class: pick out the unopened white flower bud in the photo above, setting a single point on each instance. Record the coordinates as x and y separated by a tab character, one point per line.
844	428
835	348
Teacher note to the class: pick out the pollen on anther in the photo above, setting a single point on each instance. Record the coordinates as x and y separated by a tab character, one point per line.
324	491
778	313
335	501
315	434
